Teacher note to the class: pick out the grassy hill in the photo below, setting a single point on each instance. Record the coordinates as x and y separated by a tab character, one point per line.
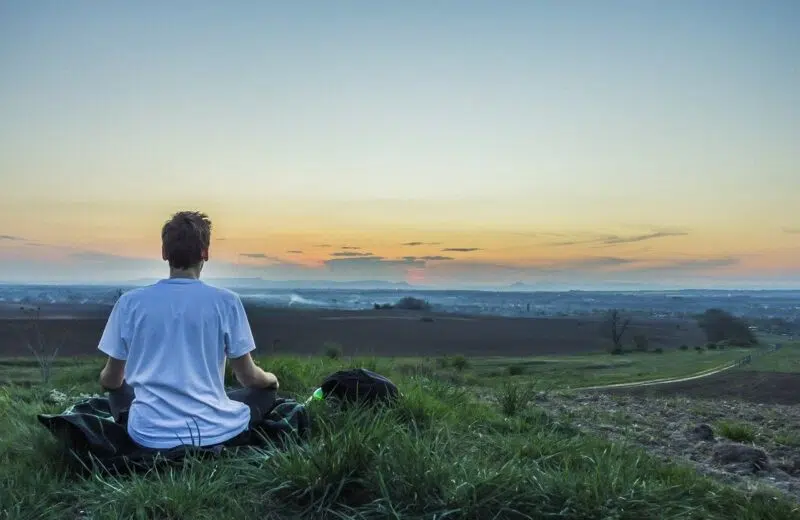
452	448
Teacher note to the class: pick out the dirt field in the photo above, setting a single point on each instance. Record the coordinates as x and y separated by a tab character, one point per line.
381	333
742	385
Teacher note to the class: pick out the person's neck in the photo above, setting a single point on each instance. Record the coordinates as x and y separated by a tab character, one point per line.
191	273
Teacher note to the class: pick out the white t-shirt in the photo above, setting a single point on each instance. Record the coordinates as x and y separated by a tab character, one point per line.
175	336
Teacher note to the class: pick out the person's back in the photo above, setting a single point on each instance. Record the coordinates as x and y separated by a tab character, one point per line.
170	342
176	332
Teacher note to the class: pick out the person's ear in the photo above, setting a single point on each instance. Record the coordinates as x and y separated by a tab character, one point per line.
204	255
164	255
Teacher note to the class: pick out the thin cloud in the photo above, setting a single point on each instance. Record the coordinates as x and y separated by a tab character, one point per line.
351	247
11	238
295	252
414	244
350	254
462	249
792	230
431	258
610	240
261	256
640	238
271	265
323	245
436	258
367	262
594	262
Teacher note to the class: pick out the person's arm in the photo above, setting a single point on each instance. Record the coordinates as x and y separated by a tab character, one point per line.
113	374
251	375
114	345
239	343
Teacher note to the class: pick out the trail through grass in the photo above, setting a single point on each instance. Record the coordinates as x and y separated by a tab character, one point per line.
600	369
440	453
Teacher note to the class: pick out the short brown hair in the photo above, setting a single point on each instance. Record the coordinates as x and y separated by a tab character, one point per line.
184	237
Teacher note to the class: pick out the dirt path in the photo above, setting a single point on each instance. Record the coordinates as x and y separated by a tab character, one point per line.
680	379
663	381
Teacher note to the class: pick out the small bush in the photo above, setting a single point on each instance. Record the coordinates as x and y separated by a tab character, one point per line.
459	363
737	432
442	362
332	350
699	349
711	346
658	350
684	347
516	370
410	303
514	399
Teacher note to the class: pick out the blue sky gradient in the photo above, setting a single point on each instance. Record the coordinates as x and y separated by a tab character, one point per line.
467	123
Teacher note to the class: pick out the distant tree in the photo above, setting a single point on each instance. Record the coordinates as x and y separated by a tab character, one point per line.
720	325
459	363
410	303
332	350
614	327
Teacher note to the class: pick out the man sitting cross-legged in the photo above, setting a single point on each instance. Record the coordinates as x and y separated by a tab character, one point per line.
168	344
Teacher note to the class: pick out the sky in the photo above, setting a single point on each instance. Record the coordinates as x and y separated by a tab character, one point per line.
448	143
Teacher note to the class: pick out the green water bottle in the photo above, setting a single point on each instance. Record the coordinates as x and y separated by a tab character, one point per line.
316	396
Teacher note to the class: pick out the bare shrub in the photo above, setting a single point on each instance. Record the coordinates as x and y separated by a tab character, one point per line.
44	349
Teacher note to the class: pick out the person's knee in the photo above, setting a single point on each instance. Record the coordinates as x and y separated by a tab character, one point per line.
263	400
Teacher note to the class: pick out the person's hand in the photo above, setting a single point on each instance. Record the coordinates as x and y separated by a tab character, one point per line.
271	381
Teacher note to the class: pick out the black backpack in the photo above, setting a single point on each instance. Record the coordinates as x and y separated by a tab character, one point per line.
359	385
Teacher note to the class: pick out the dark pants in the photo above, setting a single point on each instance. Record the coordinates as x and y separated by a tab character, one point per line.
259	400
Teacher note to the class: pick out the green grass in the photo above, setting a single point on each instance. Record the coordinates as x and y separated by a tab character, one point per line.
786	359
737	432
546	373
788	438
540	373
440	453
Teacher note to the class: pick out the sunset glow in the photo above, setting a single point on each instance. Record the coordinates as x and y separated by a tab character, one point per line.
451	144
